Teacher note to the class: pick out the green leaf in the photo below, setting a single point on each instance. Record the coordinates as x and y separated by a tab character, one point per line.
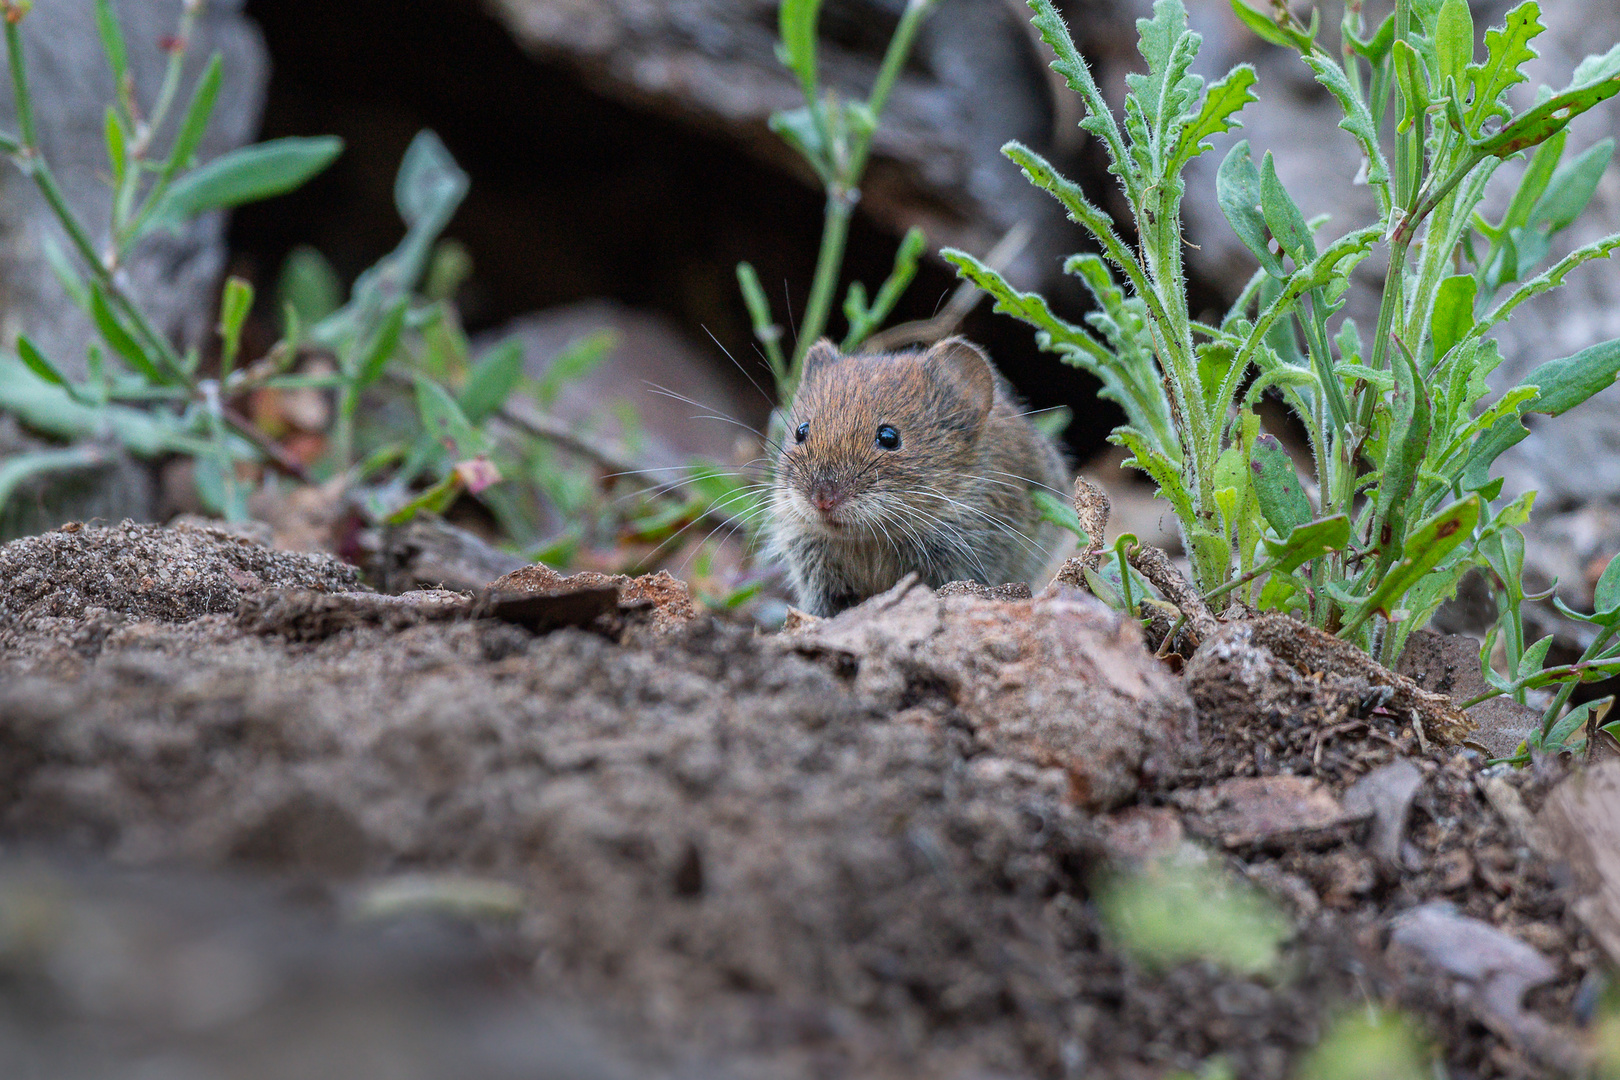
201	108
1454	40
384	344
1282	216
1059	512
1507	51
445	423
581	357
1166	474
112	43
798	128
1309	541
797	49
1567	382
1099	119
1426	547
1571	722
492	380
1276	485
1571	188
1271	30
1237	190
119	339
1055	334
1410	427
1552	115
1217	115
1411	78
310	285
1453	313
1606	596
1375	48
234	306
1358	120
246	175
116	144
38	364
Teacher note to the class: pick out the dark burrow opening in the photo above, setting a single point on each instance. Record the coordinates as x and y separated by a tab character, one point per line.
573	195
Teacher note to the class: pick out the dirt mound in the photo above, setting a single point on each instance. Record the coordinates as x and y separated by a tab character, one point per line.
860	850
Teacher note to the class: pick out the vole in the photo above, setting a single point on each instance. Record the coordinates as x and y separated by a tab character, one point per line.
912	461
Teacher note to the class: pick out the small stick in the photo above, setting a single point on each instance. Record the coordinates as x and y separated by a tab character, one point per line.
1153	564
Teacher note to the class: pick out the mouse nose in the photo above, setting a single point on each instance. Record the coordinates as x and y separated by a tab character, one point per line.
826	497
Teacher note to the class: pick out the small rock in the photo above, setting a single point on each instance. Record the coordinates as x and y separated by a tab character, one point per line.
1386	794
1057	681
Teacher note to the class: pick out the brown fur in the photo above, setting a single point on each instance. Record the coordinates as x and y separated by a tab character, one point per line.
952	503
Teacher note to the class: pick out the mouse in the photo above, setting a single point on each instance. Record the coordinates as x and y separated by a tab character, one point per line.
908	462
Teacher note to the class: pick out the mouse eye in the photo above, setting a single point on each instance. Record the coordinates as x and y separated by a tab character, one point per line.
888	438
803	433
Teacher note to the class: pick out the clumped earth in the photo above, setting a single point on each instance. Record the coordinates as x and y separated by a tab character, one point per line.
576	828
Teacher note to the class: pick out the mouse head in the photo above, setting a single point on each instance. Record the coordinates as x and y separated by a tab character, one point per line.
870	437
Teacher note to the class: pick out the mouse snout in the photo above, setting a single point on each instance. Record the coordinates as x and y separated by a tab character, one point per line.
827	495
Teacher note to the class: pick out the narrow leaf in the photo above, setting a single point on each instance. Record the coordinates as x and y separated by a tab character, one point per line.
1453	313
30	355
195	124
1309	541
119	339
1606	596
383	346
1237	190
246	175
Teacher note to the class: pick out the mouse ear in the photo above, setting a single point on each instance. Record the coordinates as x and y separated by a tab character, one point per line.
964	365
816	357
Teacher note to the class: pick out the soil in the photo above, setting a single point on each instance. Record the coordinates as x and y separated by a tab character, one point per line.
637	840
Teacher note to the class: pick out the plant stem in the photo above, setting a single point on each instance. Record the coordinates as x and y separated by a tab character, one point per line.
843	192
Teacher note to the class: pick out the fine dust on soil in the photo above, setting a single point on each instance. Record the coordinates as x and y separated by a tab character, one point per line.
734	848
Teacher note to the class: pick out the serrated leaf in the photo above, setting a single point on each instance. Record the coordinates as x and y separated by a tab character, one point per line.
1156	107
1507	51
1165	474
1099	119
1216	116
1549	279
1357	121
1277	486
1029	307
1551	116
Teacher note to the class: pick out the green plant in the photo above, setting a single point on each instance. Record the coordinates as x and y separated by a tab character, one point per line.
162	402
1401	437
835	138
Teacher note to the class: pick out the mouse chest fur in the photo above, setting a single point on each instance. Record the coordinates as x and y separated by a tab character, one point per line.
908	463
